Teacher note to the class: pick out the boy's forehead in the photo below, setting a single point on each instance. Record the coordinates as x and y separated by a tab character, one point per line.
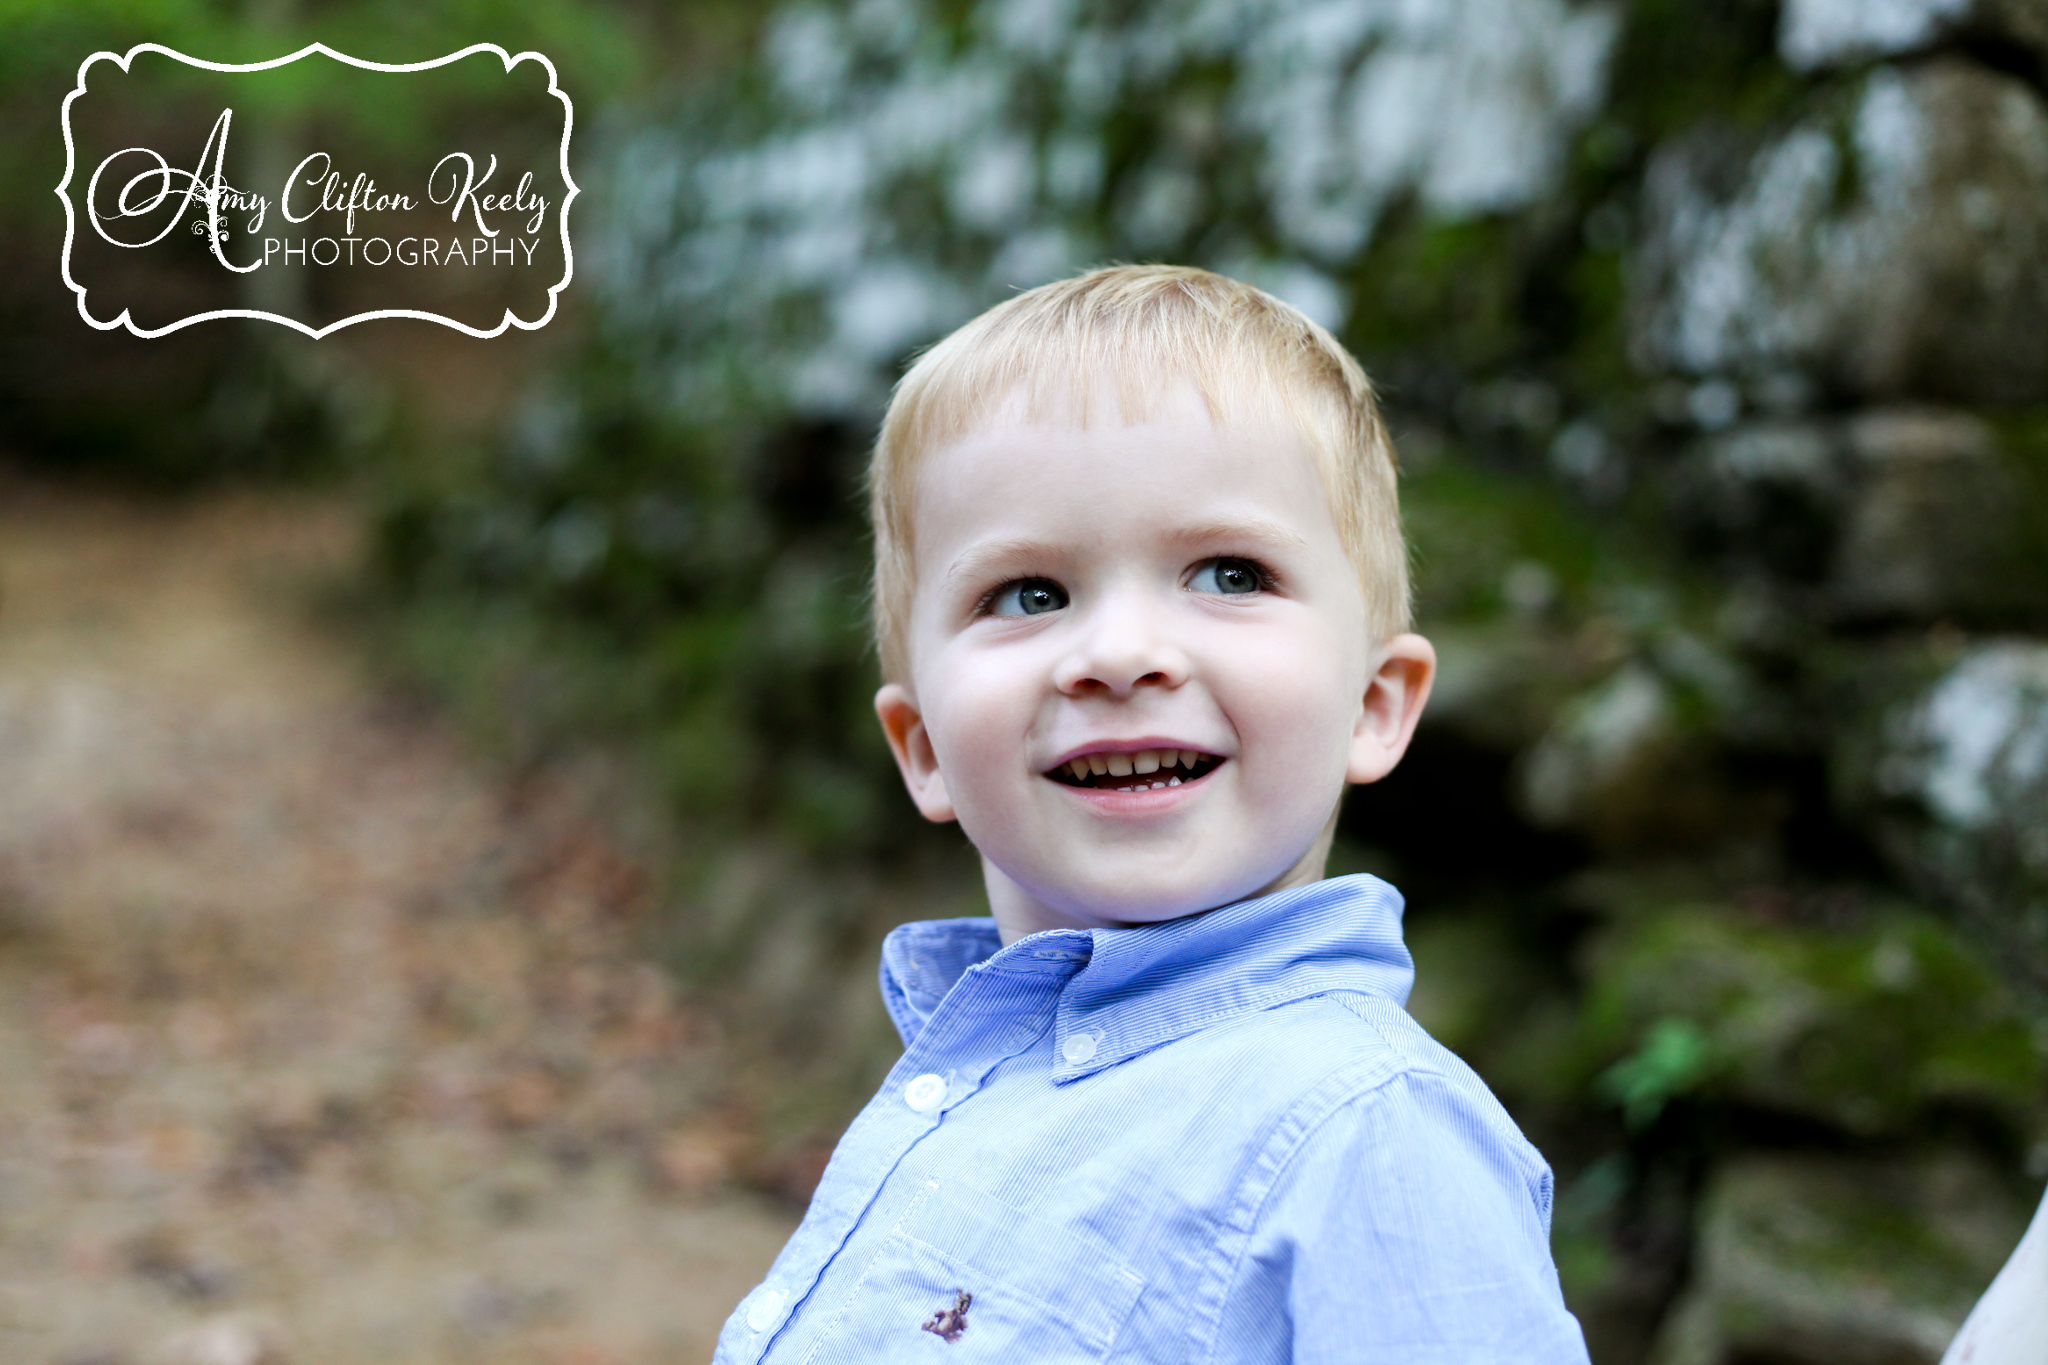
1020	466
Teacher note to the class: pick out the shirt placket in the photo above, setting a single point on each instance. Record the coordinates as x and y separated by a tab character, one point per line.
996	1010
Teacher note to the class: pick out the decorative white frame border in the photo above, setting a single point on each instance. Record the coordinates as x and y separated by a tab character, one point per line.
510	319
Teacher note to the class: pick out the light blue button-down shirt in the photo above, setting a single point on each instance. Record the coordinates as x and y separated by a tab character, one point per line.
1215	1139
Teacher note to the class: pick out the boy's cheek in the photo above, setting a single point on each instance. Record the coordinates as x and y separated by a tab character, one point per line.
978	732
1289	692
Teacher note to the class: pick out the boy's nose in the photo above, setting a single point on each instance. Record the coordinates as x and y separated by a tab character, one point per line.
1122	647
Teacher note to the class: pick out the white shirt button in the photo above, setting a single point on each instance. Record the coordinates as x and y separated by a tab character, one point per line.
925	1093
1078	1048
765	1309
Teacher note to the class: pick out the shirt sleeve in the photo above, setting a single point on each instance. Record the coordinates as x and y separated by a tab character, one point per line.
1410	1225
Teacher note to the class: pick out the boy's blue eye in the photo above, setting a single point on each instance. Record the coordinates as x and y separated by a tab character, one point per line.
1229	577
1027	597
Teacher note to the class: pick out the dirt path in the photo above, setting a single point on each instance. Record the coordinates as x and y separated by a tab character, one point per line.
317	1046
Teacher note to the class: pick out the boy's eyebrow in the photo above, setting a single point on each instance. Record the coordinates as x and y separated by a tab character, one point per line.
976	561
1256	529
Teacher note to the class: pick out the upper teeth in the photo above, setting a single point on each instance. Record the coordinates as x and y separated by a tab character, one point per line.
1123	765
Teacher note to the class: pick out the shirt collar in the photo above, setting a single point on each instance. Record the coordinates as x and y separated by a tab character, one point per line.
922	960
1152	983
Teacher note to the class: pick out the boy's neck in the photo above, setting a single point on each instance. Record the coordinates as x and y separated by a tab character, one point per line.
1018	913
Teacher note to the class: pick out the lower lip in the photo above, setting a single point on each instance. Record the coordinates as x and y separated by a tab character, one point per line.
1110	801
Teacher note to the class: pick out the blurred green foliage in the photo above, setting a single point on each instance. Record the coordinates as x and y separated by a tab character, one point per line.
1672	1060
1862	1030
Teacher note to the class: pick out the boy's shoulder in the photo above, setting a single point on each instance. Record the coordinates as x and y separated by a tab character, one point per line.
1357	1040
1380	1030
1345	1067
1381	1042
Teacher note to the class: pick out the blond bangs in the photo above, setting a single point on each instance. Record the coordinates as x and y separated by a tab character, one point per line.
1142	330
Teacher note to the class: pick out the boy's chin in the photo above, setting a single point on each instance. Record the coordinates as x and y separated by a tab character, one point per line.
1111	897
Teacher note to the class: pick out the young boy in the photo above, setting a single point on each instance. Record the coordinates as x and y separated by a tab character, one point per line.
1141	598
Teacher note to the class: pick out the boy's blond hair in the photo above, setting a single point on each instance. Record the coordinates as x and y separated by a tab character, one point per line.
1142	328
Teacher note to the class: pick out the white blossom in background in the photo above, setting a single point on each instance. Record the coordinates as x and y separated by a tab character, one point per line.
1977	746
899	176
1595	745
1888	242
1466	103
1814	33
1764	274
1965	766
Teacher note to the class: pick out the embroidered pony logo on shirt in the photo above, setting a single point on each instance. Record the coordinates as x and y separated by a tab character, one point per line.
949	1323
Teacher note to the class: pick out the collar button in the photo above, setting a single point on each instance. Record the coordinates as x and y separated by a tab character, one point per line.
925	1093
766	1308
1078	1048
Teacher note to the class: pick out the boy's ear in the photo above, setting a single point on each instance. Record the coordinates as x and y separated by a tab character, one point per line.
1394	696
903	723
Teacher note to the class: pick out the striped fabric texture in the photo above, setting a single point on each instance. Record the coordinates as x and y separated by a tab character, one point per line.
1214	1139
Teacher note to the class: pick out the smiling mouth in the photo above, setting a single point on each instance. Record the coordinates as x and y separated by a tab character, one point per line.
1145	770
